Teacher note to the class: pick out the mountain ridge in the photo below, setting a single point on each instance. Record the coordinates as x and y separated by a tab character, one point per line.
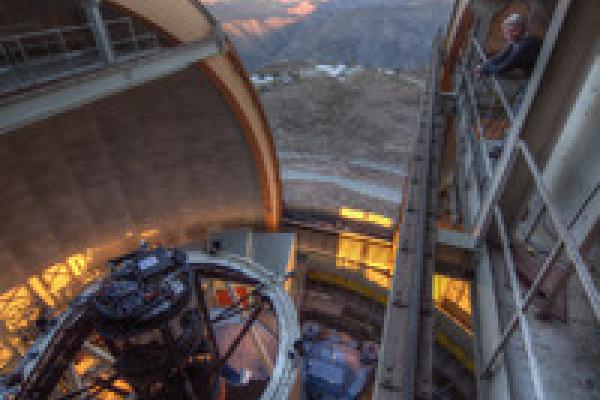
378	33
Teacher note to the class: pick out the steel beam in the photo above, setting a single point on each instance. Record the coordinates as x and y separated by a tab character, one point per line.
34	106
424	372
516	288
99	352
583	271
527	300
398	369
101	34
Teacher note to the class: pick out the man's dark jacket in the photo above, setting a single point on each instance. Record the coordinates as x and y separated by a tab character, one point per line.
518	55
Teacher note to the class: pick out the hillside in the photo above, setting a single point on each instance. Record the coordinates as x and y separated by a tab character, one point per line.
342	139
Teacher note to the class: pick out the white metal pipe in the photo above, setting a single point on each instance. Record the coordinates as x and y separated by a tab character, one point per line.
497	87
538	387
571	247
99	352
101	34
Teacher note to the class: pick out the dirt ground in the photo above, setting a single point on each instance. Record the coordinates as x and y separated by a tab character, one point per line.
345	141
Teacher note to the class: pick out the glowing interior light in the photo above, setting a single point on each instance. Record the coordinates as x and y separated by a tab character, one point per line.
372	257
349	253
16	308
84	364
352	213
453	297
6	355
18	344
379	256
38	287
57	279
54	287
108	395
366	216
377	278
121	384
149	233
380	220
77	263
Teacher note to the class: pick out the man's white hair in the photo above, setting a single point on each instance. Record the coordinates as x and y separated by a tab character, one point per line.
515	19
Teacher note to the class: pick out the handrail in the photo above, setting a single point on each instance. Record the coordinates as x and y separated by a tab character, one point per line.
497	87
27	64
35	105
67	28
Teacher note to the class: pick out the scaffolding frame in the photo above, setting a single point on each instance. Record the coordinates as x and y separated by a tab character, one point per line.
493	183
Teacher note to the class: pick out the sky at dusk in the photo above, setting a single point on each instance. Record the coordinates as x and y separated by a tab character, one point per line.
389	33
257	17
241	17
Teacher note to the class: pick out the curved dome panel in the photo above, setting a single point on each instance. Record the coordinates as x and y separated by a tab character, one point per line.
188	20
168	159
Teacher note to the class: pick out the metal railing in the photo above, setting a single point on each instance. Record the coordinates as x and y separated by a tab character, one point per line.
492	182
35	58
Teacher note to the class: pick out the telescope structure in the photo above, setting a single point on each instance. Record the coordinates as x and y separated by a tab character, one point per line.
146	251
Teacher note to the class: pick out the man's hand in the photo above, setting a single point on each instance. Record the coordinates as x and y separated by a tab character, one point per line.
478	71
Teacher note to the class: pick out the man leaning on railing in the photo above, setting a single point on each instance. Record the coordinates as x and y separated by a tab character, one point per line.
519	55
517	59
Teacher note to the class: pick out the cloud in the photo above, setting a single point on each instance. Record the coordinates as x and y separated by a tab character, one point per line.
303	8
243	27
257	17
